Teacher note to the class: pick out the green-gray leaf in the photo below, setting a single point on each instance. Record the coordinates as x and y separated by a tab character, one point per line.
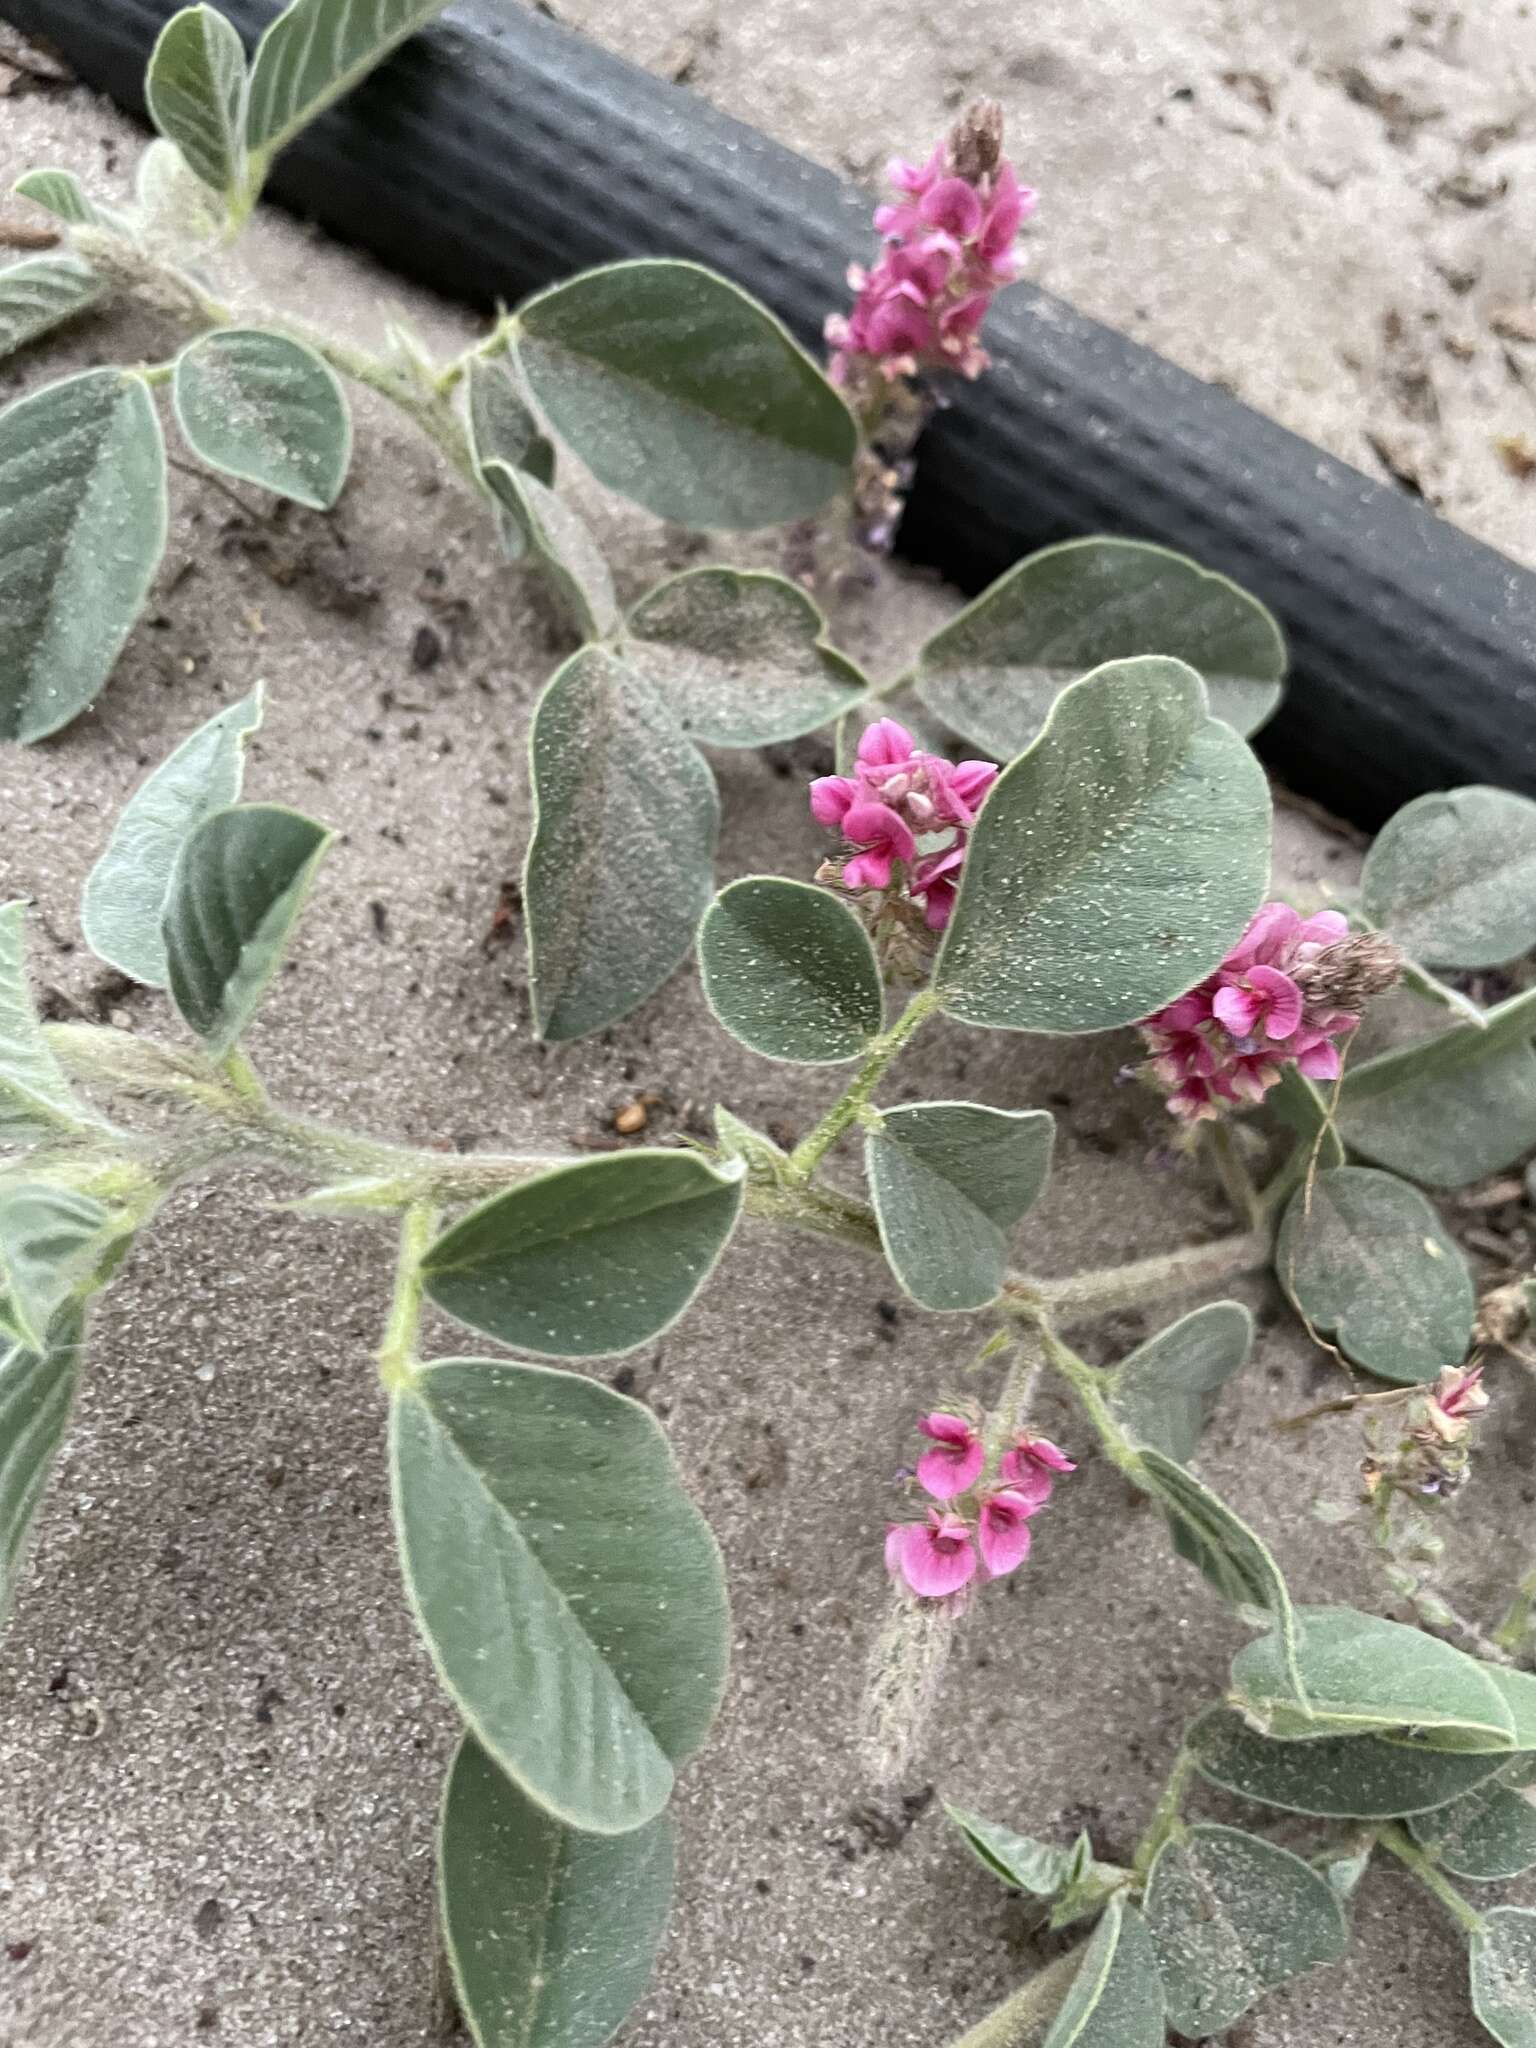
259	406
1364	1675
1340	1777
195	91
1114	864
37	1391
949	1181
551	1934
569	1591
502	426
1449	1129
1299	1103
1369	1263
589	1259
790	971
995	670
82	528
1502	1959
39	294
315	51
34	1094
1232	1917
1039	1868
61	194
1453	877
560	543
619	867
1517	1689
126	892
236	894
740	657
1164	1393
1486	1835
1116	1999
683	393
51	1241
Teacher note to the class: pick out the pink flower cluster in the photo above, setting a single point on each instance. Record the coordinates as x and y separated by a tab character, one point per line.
1272	1001
948	247
939	1556
894	797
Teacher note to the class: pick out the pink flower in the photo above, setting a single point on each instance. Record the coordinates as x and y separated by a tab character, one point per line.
954	1465
937	881
1260	1000
896	793
934	1557
884	838
831	797
1031	1465
1002	1531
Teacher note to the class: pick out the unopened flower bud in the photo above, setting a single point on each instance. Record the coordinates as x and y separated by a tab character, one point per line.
1347	975
975	145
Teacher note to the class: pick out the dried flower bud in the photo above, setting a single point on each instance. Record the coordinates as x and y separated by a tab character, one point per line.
1346	976
975	145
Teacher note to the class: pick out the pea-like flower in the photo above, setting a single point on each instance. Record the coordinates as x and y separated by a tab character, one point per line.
935	1557
954	1464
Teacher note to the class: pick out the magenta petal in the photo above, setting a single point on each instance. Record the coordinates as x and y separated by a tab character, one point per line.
1238	1008
1003	1533
953	205
1044	1452
1272	927
1032	1482
935	1557
1325	929
831	796
1281	1000
885	744
1320	1062
972	780
877	825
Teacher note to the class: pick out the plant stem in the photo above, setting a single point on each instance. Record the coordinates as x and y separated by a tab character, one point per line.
811	1150
1515	1624
1166	1815
1010	1411
1022	2020
1084	1382
1083	1295
1429	1874
396	1356
1236	1181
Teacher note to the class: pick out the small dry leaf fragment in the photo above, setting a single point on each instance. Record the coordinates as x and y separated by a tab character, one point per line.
1518	454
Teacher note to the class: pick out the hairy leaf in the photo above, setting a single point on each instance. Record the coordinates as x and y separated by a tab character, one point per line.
39	294
558	540
1163	1395
259	406
619	867
790	971
1369	1263
589	1259
551	1935
1364	1675
51	1241
1114	864
1449	1129
1039	1868
82	528
1116	2000
315	51
61	193
740	657
949	1181
1517	1689
34	1093
683	393
569	1591
1486	1835
502	425
126	892
1232	1917
995	670
1453	877
1339	1777
1503	1971
37	1392
236	894
195	91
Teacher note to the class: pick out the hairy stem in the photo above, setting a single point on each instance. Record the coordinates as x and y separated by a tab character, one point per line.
1236	1181
811	1150
396	1356
1082	1296
1166	1815
1084	1382
1428	1872
1514	1624
1023	2019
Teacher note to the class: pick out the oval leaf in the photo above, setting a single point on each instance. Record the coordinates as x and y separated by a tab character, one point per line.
949	1181
1503	1972
1232	1917
82	529
1452	1127
236	894
685	394
502	427
41	293
1486	1835
546	528
1116	1999
1370	1264
315	51
591	1259
551	1935
51	1242
790	971
1039	1868
126	892
995	670
1164	1393
1341	1777
259	406
195	91
61	194
1114	864
569	1591
1363	1675
619	868
1453	877
1517	1689
740	657
37	1392
34	1094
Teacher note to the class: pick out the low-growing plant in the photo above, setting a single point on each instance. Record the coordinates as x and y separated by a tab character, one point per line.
1113	875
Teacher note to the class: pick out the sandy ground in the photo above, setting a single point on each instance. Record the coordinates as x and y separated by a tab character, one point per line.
220	1742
